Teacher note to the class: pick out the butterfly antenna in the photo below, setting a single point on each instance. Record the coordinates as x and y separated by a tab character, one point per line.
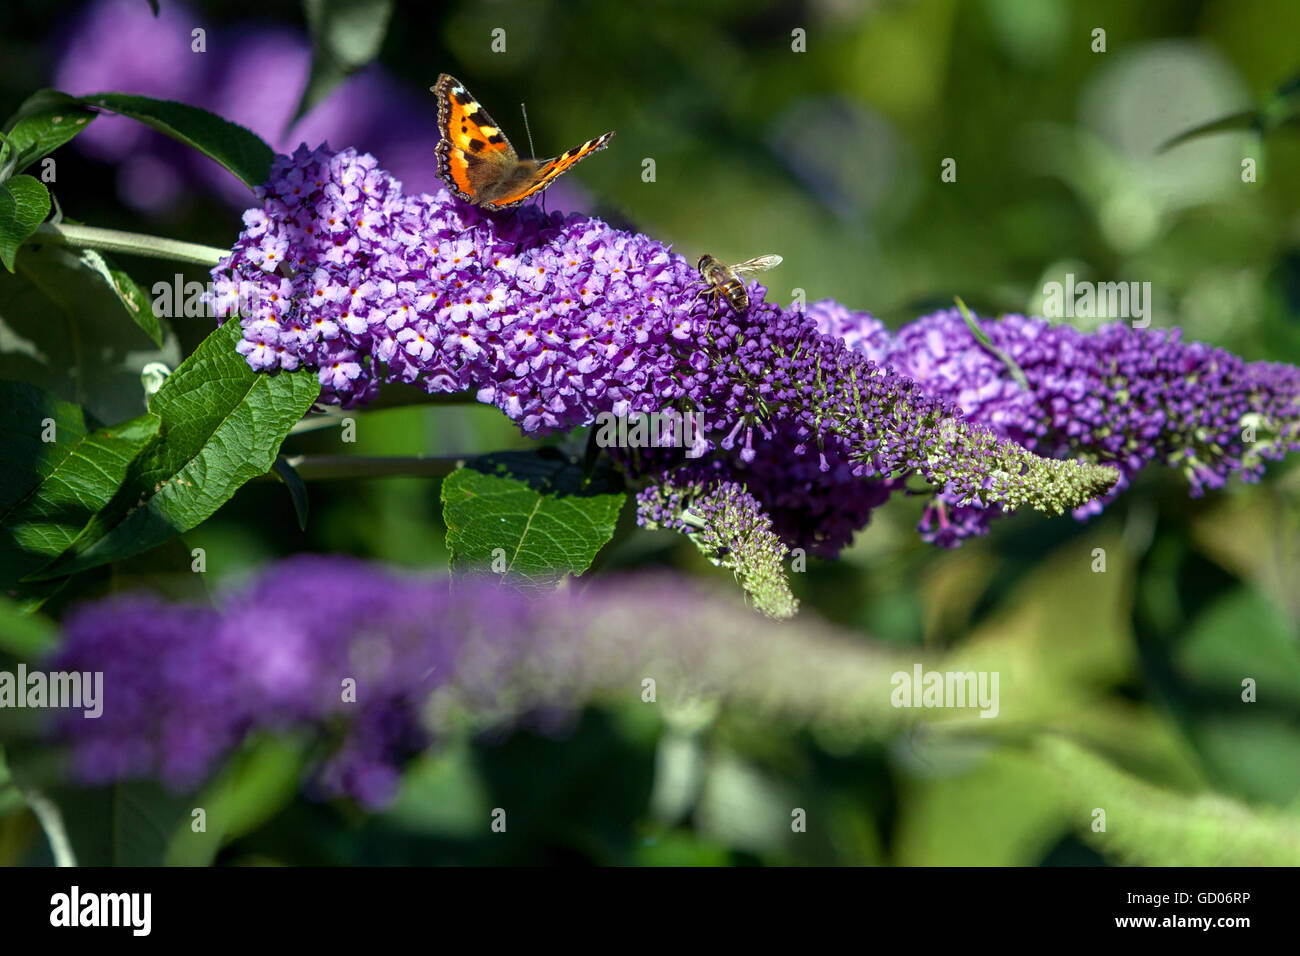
524	109
532	152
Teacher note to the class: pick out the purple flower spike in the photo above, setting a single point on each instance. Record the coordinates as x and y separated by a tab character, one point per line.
556	320
1119	396
730	527
819	417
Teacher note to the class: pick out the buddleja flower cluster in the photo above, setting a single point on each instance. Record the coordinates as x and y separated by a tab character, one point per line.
730	527
377	665
551	320
555	320
1122	396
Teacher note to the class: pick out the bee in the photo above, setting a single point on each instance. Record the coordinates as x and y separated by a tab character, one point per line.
723	280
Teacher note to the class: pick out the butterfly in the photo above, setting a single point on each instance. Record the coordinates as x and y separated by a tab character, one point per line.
477	161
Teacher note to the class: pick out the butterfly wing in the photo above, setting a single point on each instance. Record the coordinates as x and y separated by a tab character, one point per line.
474	156
757	264
541	173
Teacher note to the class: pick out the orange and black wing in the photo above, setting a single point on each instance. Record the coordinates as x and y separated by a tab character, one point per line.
548	171
473	153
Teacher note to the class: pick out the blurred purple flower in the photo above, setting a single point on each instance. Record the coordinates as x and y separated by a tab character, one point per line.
183	685
252	75
119	46
258	85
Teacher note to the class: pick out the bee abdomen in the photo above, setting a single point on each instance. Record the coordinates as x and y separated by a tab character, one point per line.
736	294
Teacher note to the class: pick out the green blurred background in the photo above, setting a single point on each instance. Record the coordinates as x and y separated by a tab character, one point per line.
831	158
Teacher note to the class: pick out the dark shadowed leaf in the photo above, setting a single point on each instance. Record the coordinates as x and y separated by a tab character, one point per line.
131	297
346	35
297	489
81	475
527	513
75	325
237	149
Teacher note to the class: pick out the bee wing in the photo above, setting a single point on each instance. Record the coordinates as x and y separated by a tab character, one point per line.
757	264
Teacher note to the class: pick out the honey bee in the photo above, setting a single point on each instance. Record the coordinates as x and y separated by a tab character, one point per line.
723	280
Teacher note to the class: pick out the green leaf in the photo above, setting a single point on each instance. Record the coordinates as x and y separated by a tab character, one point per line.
441	793
71	277
73	297
86	473
33	423
297	490
126	824
531	506
1254	756
1013	367
62	329
1090	620
24	204
1288	88
743	806
222	426
253	786
45	121
28	416
132	297
346	35
237	149
31	597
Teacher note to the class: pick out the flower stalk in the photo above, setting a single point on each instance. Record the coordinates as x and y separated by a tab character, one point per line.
128	243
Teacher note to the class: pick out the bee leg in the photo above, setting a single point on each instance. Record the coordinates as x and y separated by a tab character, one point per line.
709	290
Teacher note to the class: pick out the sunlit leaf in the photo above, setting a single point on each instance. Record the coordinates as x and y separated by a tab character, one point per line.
24	204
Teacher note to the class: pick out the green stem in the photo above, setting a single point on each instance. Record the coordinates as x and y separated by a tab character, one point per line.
51	821
129	243
402	394
325	467
397	395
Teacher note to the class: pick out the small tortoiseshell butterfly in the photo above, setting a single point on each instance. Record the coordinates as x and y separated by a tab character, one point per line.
478	162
